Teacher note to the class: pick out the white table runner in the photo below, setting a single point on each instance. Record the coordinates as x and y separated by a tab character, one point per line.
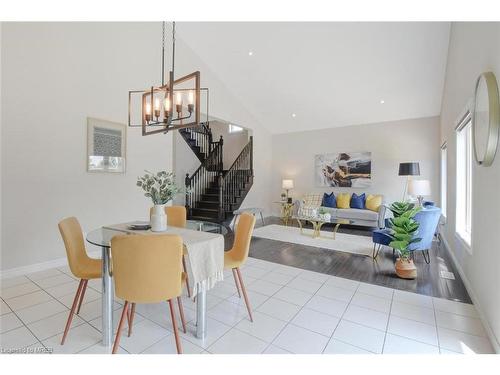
205	253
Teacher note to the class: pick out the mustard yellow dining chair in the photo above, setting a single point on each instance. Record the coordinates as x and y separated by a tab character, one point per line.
80	264
147	269
177	217
238	254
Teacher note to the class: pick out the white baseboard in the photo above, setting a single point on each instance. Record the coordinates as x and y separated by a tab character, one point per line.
473	296
42	266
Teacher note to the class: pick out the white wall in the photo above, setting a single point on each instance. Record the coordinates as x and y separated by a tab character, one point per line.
474	48
389	142
1	132
54	75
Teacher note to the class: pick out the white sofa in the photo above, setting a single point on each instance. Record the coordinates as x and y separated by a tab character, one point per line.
362	217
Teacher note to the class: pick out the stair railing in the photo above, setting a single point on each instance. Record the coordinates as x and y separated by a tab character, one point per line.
203	137
200	180
232	183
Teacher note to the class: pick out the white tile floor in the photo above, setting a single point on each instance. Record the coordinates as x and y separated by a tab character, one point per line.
295	311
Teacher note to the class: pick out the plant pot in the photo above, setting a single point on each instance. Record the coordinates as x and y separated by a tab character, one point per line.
158	218
405	269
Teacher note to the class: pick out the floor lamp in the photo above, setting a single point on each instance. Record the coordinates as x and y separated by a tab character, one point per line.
408	170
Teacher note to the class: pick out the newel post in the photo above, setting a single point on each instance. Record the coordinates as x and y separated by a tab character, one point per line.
221	143
221	196
187	183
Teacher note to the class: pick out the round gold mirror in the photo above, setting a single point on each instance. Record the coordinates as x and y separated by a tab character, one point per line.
486	119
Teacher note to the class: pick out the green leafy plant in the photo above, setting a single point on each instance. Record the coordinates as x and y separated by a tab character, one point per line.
399	208
160	187
404	228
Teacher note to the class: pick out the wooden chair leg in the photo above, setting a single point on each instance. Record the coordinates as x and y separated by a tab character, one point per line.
187	277
84	288
236	282
174	324
244	293
181	313
131	319
120	326
71	313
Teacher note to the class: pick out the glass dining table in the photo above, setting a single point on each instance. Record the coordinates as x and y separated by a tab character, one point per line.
102	237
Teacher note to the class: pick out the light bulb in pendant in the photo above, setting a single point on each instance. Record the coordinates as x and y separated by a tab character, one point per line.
157	107
178	98
147	114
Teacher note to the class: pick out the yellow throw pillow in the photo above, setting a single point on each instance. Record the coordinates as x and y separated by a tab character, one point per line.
343	200
373	202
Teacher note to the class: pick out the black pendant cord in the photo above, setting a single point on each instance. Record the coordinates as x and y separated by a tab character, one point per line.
173	47
163	55
163	51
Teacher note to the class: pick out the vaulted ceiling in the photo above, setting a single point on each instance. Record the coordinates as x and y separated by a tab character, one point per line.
304	76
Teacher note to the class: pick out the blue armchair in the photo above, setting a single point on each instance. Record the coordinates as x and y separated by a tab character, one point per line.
381	237
428	218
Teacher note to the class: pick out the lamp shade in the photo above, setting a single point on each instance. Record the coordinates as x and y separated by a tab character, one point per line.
419	188
287	184
409	169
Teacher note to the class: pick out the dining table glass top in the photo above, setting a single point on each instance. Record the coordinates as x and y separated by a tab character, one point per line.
102	236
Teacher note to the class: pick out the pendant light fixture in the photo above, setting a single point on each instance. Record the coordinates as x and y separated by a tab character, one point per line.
171	106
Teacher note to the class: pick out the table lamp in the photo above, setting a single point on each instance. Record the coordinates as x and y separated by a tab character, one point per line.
287	185
408	170
419	188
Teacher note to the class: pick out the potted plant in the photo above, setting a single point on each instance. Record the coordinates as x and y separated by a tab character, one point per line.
403	231
161	188
399	208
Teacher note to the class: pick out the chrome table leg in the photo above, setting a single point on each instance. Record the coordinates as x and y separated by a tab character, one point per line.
201	318
107	299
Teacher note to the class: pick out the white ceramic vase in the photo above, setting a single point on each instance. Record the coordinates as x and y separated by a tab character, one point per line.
159	218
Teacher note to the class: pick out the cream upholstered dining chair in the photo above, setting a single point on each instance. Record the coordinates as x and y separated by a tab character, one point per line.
238	254
80	264
148	269
177	217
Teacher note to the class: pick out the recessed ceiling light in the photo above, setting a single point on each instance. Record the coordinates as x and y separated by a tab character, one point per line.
294	115
250	53
382	101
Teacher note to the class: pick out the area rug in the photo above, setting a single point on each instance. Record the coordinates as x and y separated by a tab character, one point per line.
348	243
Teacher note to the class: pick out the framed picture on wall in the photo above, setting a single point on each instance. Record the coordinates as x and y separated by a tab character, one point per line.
345	169
106	146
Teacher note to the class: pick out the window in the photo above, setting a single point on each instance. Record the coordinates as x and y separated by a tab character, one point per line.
464	180
235	128
444	182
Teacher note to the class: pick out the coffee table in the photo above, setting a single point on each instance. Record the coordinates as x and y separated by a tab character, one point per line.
317	223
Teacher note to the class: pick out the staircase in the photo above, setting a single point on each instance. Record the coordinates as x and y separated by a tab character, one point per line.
212	193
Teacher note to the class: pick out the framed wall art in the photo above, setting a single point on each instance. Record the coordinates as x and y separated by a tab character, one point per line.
106	146
344	169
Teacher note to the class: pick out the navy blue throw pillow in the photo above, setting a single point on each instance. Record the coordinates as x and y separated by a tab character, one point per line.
358	201
329	200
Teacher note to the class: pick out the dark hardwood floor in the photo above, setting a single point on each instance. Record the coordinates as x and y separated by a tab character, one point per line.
362	268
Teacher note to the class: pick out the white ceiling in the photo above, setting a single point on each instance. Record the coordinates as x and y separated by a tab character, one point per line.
328	74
